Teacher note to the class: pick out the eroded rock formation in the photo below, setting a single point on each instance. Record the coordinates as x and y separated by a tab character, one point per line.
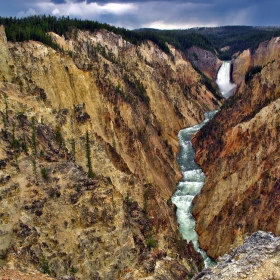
101	108
258	258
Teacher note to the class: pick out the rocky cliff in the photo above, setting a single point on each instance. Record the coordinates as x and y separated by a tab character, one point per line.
88	156
258	258
239	153
205	60
266	53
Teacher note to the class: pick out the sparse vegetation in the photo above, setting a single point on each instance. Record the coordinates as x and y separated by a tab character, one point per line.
33	138
137	88
73	148
54	193
146	195
208	83
150	239
127	96
34	149
44	263
252	72
58	138
73	270
88	157
127	200
5	115
45	173
34	169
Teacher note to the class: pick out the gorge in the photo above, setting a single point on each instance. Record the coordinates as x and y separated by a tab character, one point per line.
88	144
79	141
193	177
242	157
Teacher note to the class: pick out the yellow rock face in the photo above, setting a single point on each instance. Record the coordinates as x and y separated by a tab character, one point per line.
131	101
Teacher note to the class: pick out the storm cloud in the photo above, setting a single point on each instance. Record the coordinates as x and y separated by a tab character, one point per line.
154	14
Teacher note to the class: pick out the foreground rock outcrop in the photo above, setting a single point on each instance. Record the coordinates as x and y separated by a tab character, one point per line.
12	274
239	154
258	258
88	156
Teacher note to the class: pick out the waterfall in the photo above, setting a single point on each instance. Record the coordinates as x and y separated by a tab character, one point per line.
193	177
223	81
223	76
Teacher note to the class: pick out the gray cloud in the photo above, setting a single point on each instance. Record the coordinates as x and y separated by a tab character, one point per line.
157	13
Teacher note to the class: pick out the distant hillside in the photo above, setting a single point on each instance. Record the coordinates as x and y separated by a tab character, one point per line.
223	41
235	39
37	27
227	40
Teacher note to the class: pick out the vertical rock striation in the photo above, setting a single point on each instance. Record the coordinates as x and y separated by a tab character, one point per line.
101	107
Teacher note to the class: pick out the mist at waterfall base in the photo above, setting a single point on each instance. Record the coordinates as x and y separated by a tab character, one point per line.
226	87
193	177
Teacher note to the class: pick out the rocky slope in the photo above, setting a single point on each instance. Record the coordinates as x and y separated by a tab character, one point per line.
239	153
258	258
88	145
13	274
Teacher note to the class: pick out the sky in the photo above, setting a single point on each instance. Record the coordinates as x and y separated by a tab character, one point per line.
161	14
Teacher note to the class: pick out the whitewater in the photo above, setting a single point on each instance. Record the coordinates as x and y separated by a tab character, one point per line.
193	177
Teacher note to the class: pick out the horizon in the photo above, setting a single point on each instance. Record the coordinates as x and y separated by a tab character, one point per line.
162	14
150	28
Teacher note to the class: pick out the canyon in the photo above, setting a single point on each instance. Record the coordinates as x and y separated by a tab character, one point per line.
239	153
88	156
88	152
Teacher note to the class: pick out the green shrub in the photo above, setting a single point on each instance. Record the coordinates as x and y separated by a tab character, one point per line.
73	270
150	241
45	173
88	156
45	268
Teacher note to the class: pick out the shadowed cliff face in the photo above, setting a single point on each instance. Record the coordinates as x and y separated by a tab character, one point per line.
110	109
239	153
206	61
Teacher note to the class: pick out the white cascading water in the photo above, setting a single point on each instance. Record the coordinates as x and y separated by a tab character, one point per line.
226	87
193	177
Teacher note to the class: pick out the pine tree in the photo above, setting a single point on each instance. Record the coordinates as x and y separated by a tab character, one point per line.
88	156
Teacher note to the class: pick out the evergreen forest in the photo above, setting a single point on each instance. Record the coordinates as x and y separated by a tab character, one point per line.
232	38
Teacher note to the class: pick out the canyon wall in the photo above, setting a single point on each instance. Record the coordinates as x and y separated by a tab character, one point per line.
205	60
239	154
88	156
266	52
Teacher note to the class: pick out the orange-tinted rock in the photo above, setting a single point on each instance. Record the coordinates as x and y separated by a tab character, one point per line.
239	153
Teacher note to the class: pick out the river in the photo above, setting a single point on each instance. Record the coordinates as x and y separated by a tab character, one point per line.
193	177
